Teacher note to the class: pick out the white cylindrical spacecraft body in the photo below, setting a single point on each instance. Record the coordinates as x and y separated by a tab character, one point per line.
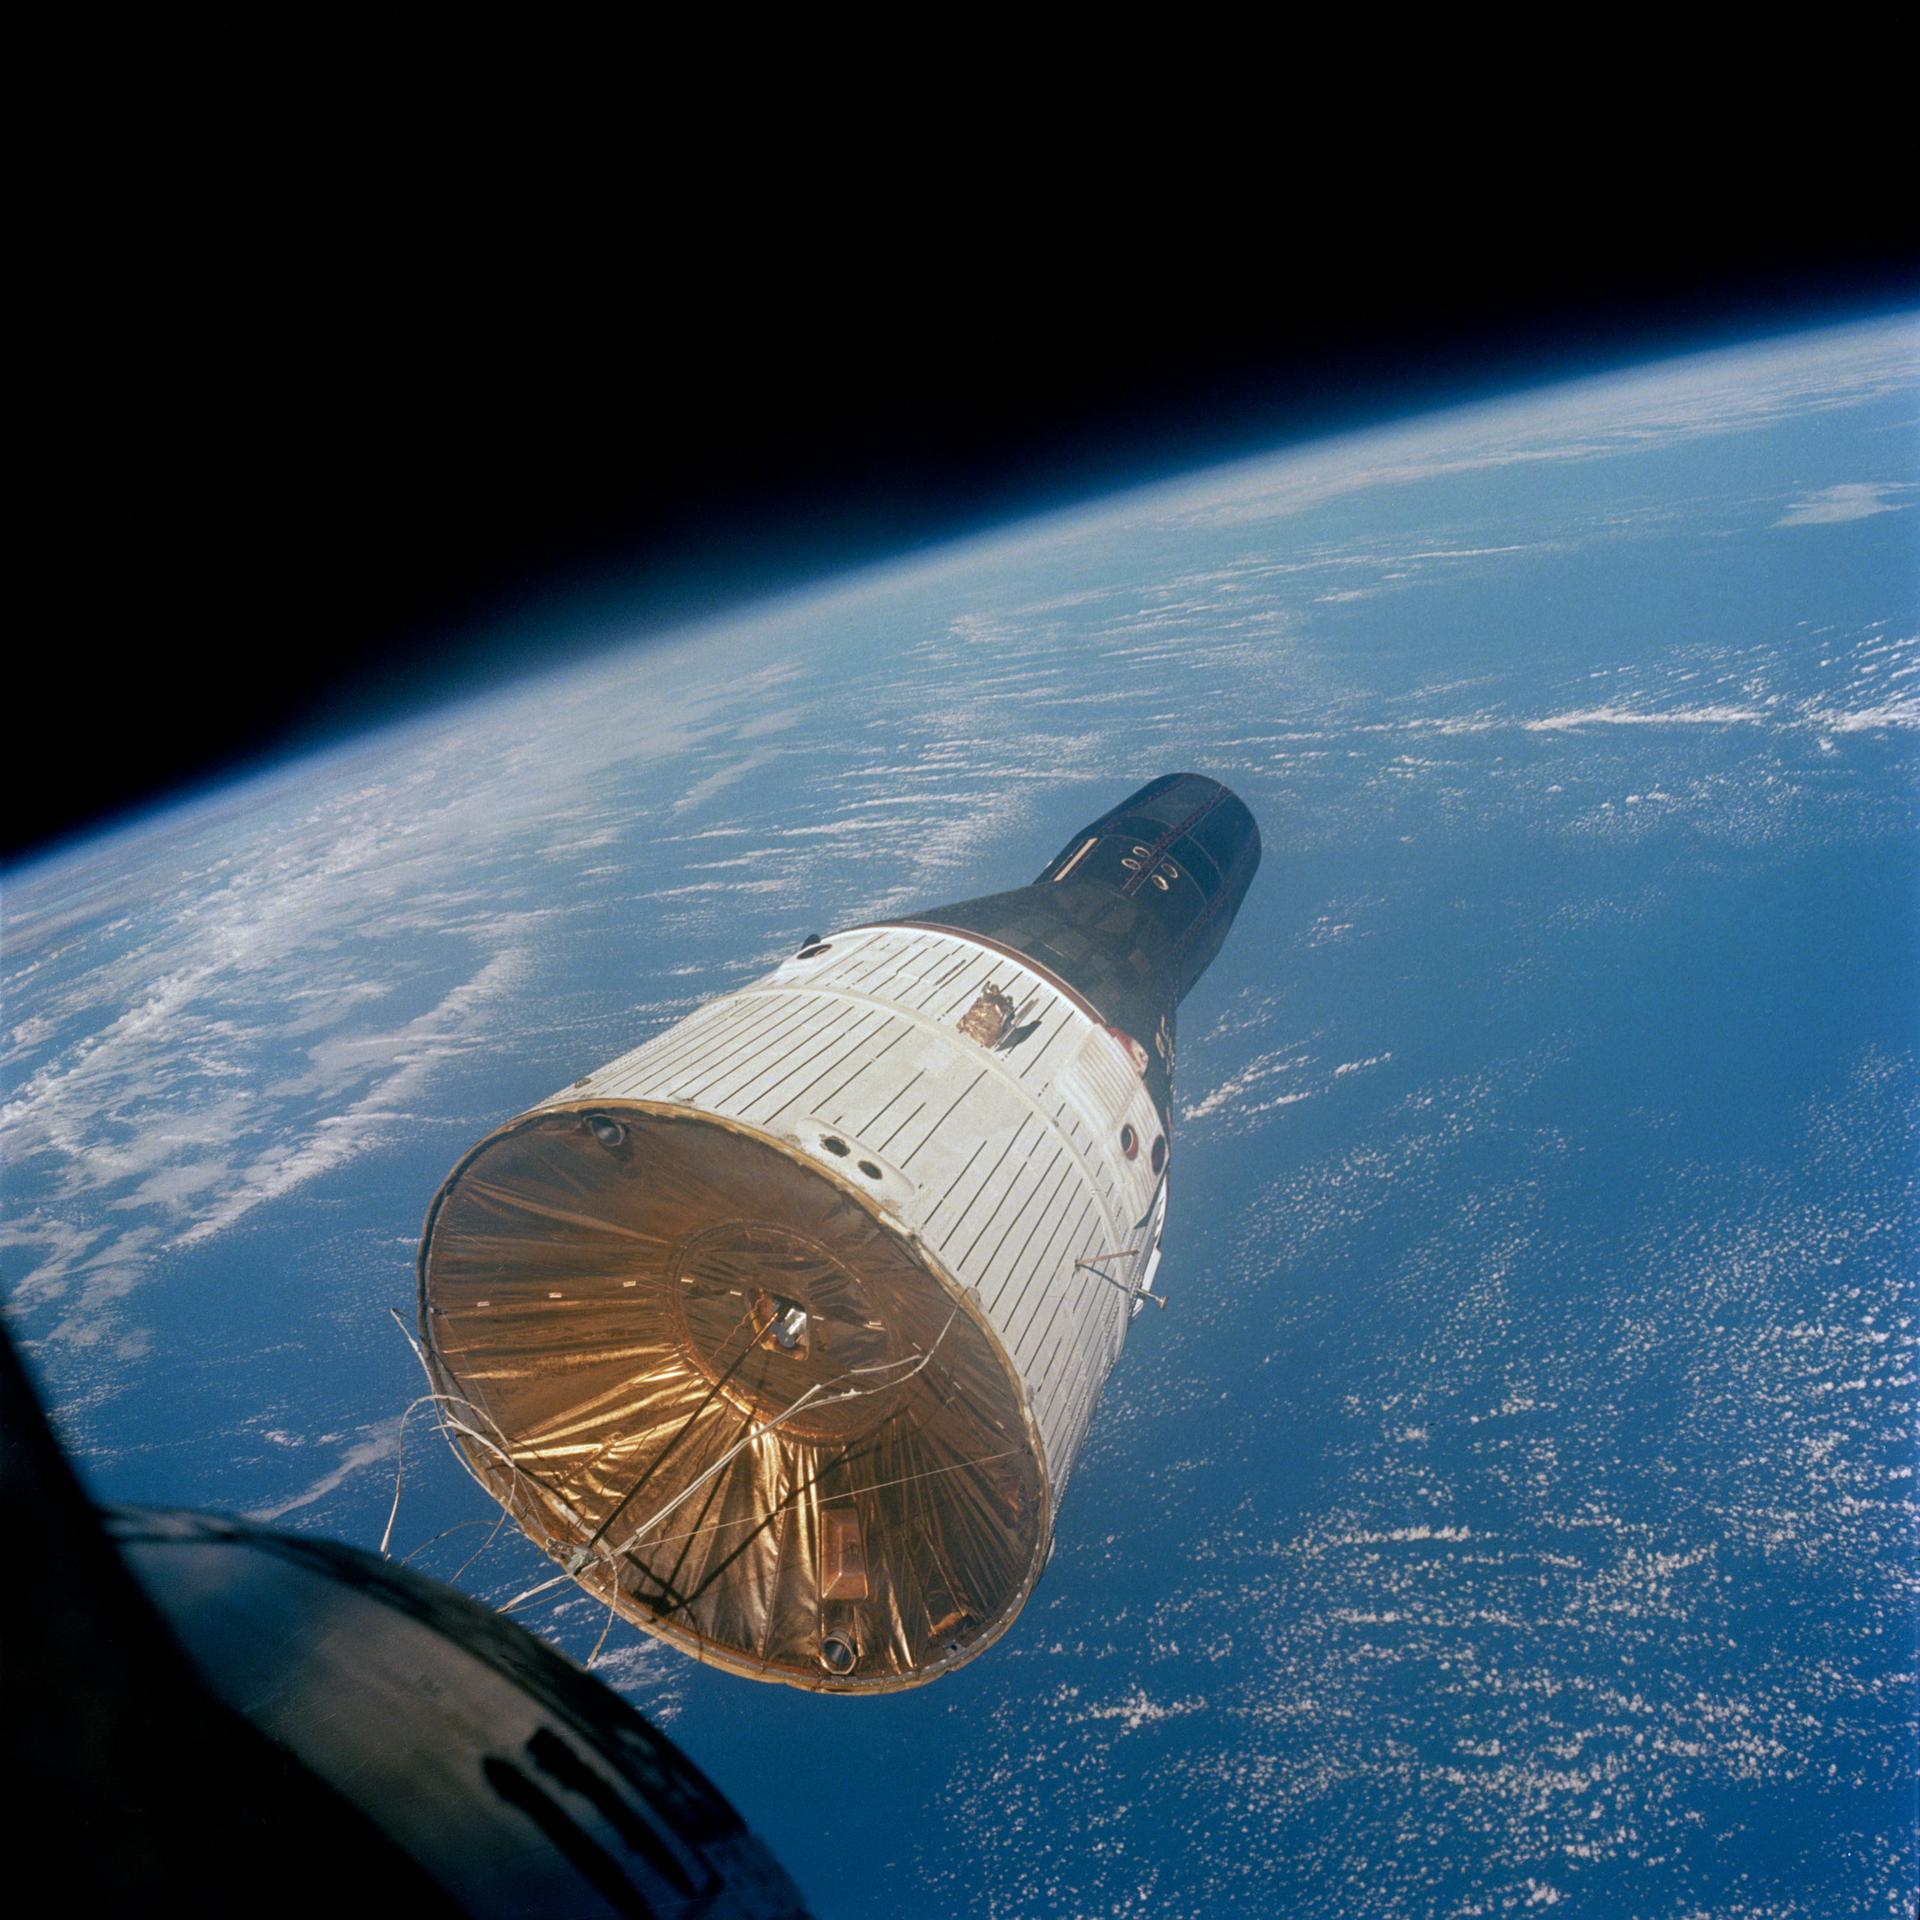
782	1332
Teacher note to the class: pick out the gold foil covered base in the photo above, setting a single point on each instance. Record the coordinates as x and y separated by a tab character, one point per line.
709	1378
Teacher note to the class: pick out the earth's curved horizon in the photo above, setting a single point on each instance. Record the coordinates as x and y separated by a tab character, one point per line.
1515	1506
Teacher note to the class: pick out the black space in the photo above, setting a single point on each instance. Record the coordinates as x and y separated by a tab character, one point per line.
321	448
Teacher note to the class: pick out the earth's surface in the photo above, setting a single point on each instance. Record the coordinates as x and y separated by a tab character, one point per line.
1515	1507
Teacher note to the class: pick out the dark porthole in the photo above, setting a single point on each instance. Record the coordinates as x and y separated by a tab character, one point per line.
608	1131
1129	1142
836	1146
1159	1153
837	1655
869	1169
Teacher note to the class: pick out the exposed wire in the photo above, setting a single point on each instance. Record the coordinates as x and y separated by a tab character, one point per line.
449	1425
500	1520
400	1470
714	1387
459	1526
586	1555
878	1486
1135	1294
818	1390
613	1600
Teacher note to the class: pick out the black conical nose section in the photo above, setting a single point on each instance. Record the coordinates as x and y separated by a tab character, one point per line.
1182	851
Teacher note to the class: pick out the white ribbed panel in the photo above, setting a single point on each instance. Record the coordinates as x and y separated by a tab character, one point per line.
1007	1163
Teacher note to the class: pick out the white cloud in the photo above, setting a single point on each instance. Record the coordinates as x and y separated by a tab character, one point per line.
723	777
382	1443
1712	716
1856	500
1892	713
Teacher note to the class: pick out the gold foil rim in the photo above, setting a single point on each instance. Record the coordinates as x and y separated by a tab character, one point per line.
551	1334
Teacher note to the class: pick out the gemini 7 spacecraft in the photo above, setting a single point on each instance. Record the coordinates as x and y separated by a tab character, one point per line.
781	1333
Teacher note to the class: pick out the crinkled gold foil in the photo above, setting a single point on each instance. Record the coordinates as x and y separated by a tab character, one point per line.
608	1301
